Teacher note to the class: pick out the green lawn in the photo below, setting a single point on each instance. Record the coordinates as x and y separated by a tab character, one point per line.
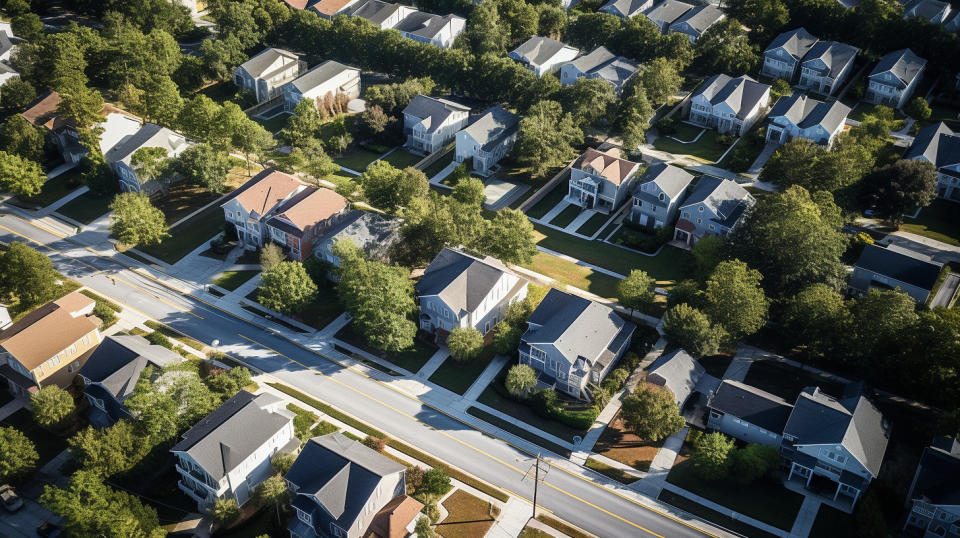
611	472
937	221
412	359
401	158
231	280
593	224
570	274
55	189
439	164
457	376
566	216
324	309
713	516
552	198
182	199
864	109
519	431
47	444
87	207
686	132
831	522
767	501
188	235
275	123
707	148
358	159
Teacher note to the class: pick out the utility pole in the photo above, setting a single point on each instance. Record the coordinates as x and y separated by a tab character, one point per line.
536	484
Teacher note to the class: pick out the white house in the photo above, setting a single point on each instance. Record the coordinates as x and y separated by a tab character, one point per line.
933	11
460	290
488	139
150	135
729	105
657	200
431	123
329	77
714	207
382	14
940	146
437	30
600	181
266	72
543	55
599	64
695	22
626	8
247	208
894	78
799	116
665	13
783	55
227	454
825	68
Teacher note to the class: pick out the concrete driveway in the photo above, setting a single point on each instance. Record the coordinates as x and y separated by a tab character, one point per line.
23	523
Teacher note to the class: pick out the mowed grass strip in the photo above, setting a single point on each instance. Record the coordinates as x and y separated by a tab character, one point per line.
188	235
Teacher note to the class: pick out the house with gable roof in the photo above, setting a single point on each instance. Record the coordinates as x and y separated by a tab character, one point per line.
933	11
329	77
487	139
267	71
825	68
678	372
430	123
894	268
247	208
328	9
729	105
150	135
784	54
934	495
600	64
436	30
894	78
298	223
940	146
748	413
666	13
657	200
626	9
799	116
601	182
372	232
543	55
695	22
714	207
460	290
573	342
382	14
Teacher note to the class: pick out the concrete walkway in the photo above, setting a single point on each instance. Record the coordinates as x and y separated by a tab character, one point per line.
663	461
513	518
484	379
442	174
581	219
12	407
761	160
806	517
738	367
431	366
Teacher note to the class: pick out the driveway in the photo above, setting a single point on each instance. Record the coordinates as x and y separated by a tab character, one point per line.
947	291
23	523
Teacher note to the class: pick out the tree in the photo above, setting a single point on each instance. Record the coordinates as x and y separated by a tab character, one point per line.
303	125
283	461
20	137
27	274
879	318
588	100
198	115
225	511
711	457
901	187
227	383
469	190
692	330
816	318
725	48
918	109
521	380
150	164
27	26
754	461
81	104
707	253
465	343
633	119
422	528
780	88
162	101
286	288
651	413
250	138
435	482
274	491
636	291
109	451
735	300
20	176
18	455
796	163
590	30
387	188
546	138
202	165
52	406
764	17
271	255
135	221
485	34
660	79
509	237
16	94
91	508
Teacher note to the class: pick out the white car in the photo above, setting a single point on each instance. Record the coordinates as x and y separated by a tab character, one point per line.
11	501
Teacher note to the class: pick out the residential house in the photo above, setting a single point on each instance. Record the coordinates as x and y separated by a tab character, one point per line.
834	444
573	342
247	209
657	201
892	267
695	22
894	78
265	73
626	9
430	123
488	139
940	146
382	14
933	11
298	223
328	9
934	496
150	135
714	207
49	345
227	454
799	116
678	372
748	413
437	30
784	54
729	105
343	489
666	13
600	64
825	68
112	371
849	4
7	73
601	182
543	55
460	290
374	233
6	47
328	78
5	320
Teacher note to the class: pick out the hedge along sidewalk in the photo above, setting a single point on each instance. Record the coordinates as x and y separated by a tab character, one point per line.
414	453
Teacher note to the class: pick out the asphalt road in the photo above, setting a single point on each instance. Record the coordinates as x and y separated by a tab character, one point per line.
573	498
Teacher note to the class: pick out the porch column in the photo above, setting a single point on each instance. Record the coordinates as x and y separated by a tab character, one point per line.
809	477
856	496
836	493
790	475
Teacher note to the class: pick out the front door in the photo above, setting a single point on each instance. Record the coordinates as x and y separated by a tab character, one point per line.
682	236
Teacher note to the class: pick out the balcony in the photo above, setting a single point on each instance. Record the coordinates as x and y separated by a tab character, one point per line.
923	509
196	475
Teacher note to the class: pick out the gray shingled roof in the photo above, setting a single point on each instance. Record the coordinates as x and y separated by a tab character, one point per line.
701	17
677	371
749	403
938	144
461	281
432	110
835	55
668	11
796	42
741	93
538	50
494	125
627	8
5	44
806	112
422	24
899	266
926	9
117	362
724	197
375	11
150	135
264	59
903	63
372	232
320	74
672	180
606	65
937	480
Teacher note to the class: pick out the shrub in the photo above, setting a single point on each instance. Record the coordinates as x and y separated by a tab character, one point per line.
545	402
414	478
282	462
158	339
435	482
521	380
666	126
374	443
754	461
711	459
465	343
225	511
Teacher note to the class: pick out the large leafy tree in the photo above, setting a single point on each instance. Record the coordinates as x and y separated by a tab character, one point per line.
692	330
52	406
135	221
204	166
754	461
764	17
651	413
547	136
464	343
19	175
660	79
151	164
19	137
726	48
198	116
18	455
735	300
636	291
901	187
712	457
588	100
509	237
816	318
108	451
303	125
390	189
27	274
286	287
879	318
633	119
590	30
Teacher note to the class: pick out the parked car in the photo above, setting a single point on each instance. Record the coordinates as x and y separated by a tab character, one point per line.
48	530
11	501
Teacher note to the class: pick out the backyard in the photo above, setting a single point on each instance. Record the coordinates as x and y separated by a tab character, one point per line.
411	359
188	235
706	148
788	381
457	376
569	273
274	123
469	516
439	164
55	189
87	207
47	444
357	159
937	221
552	198
620	444
401	158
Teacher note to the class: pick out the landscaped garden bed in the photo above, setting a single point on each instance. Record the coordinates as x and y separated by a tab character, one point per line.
620	444
468	516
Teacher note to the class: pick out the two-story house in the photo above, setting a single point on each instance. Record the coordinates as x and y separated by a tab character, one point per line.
729	105
374	233
894	268
488	139
328	78
599	64
940	146
430	123
343	489
748	413
835	444
382	14
666	13
247	208
799	116
934	496
933	11
573	342
111	373
266	72
784	54
825	68
328	9
543	55
49	345
436	30
460	290
150	135
298	223
227	454
601	182
894	78
657	200
714	207
626	9
695	22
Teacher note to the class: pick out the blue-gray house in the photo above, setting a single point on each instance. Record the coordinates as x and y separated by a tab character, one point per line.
748	413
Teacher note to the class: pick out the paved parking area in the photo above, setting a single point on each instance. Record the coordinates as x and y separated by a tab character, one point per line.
23	523
500	193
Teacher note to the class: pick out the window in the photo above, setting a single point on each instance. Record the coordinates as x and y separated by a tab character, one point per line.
337	531
700	209
86	340
55	361
712	227
661	197
699	221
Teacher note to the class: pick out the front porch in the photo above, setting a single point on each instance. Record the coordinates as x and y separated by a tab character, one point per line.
818	483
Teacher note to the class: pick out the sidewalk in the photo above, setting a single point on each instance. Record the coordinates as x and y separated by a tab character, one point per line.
12	407
485	378
431	366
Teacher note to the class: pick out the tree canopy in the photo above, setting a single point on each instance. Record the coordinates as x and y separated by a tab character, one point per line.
135	221
651	413
286	287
